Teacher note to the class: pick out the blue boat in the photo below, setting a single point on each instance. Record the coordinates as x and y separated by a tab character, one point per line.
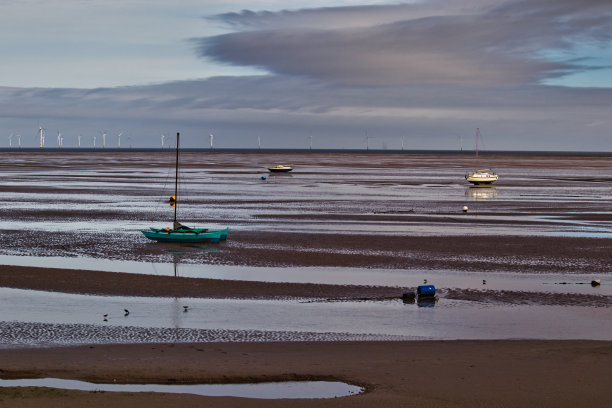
179	232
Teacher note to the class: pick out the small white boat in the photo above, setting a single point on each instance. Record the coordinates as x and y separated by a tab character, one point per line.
280	168
483	176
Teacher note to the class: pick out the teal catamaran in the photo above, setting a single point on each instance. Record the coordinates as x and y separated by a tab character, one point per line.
179	232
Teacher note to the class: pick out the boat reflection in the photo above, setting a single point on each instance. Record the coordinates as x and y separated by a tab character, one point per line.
481	192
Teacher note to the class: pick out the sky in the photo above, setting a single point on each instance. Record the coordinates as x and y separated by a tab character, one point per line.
530	74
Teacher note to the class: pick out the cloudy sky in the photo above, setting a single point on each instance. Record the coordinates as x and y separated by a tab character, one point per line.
531	74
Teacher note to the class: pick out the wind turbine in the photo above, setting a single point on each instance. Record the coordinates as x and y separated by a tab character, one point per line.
79	141
60	139
310	147
103	140
211	141
19	141
259	142
41	134
162	139
11	140
94	141
119	140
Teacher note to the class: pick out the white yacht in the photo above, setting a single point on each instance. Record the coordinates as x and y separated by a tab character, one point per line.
482	176
280	168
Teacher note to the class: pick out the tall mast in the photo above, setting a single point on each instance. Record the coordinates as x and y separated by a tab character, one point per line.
176	178
476	143
477	132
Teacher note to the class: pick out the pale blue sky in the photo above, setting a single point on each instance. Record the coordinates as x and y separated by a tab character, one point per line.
532	74
105	43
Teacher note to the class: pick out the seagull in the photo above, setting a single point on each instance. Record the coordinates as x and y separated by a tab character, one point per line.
185	308
127	312
105	317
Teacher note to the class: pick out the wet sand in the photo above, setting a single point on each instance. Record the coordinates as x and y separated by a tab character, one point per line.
533	254
127	284
395	374
557	222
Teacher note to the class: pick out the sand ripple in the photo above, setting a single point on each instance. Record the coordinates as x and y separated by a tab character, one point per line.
49	334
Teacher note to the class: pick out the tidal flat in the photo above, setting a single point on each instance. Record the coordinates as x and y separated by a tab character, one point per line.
322	254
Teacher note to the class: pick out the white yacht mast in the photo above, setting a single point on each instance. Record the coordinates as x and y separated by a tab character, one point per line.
477	134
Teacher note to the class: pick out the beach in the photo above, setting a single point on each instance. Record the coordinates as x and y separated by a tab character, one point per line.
427	374
309	283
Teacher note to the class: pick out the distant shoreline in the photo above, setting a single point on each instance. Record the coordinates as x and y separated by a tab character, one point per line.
296	151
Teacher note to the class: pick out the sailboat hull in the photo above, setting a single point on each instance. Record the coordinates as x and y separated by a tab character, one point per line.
186	235
481	177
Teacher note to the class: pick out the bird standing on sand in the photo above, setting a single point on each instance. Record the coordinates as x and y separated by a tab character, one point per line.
185	308
127	312
105	317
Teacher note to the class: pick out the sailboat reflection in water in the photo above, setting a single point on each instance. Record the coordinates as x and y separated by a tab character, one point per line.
179	232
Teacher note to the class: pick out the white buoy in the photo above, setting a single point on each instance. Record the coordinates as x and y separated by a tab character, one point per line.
465	208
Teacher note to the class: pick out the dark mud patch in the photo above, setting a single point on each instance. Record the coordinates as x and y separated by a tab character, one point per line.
527	298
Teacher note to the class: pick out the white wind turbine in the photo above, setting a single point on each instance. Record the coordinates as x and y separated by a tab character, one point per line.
41	134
